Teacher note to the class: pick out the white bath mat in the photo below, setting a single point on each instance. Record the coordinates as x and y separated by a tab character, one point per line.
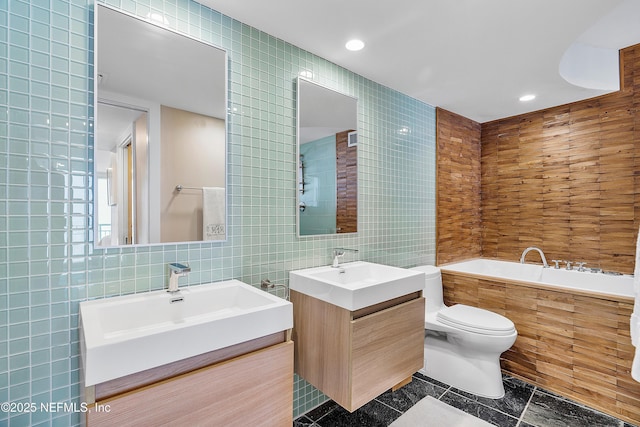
430	412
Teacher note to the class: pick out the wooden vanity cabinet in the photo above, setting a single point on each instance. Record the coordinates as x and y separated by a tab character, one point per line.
247	384
354	356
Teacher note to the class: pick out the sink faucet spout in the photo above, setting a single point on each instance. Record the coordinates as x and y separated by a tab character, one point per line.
533	248
338	253
176	270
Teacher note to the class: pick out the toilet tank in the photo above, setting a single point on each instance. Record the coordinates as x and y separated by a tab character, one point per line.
432	288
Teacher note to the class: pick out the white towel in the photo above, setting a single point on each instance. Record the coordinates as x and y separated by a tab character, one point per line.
213	213
635	316
635	366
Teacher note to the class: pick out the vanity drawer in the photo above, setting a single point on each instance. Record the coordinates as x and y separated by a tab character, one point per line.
354	356
387	347
252	389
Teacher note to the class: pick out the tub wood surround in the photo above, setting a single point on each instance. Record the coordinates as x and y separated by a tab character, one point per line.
458	188
575	345
565	179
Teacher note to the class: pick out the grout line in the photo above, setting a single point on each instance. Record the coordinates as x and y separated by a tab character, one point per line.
526	407
444	392
482	404
389	406
314	407
328	412
477	402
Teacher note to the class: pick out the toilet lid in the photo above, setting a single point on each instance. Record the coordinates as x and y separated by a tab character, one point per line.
475	319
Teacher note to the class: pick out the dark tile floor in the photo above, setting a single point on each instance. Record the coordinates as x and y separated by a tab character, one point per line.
523	405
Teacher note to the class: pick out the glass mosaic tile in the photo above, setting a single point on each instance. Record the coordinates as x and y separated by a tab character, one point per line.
46	253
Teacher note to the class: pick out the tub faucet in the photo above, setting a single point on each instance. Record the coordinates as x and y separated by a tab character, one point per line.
533	248
581	266
339	252
176	270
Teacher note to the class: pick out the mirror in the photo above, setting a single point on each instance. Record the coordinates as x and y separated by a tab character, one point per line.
327	161
160	134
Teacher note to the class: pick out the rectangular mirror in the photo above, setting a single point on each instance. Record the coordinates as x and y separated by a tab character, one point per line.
327	161
160	134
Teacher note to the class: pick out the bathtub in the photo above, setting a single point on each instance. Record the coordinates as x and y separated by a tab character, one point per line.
573	281
573	328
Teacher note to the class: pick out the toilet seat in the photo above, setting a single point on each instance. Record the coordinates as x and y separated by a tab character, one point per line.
477	320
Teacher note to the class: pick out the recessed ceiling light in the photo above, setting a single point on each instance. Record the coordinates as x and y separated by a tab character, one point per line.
354	44
529	97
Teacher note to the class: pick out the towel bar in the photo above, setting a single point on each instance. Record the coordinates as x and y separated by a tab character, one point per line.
180	187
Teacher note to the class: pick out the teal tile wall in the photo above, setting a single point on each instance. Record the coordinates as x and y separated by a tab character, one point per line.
320	193
47	263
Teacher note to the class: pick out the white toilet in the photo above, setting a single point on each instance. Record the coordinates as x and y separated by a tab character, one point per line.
462	344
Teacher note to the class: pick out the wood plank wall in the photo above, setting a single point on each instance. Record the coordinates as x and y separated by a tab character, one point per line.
458	188
347	184
575	345
566	179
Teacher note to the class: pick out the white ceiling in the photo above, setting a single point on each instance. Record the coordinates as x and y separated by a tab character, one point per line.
472	57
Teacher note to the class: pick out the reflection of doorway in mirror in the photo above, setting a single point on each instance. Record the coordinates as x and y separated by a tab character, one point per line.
103	206
121	164
130	191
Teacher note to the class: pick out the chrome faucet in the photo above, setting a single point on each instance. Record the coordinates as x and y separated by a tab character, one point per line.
581	266
339	252
533	248
176	270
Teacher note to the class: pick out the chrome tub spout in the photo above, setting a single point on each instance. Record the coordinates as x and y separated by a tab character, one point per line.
533	248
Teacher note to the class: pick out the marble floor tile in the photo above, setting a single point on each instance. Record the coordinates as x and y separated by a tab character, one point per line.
322	410
410	394
541	408
373	414
516	396
477	409
303	421
431	380
547	410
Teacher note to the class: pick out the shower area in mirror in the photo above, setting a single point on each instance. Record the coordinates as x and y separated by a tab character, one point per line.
327	161
327	185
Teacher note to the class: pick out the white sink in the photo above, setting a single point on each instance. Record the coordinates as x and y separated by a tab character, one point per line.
356	285
132	333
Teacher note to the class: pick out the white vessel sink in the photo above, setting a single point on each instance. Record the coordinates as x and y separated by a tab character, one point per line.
356	285
132	333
